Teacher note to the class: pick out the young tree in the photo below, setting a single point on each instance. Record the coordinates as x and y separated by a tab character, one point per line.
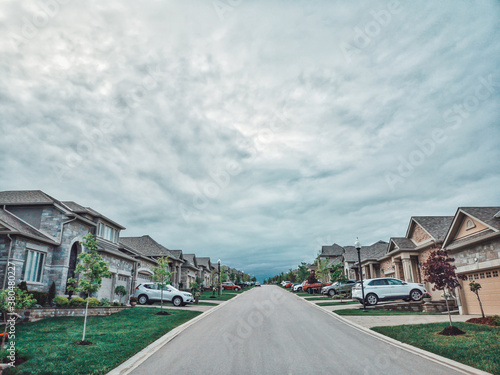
322	270
232	277
162	276
121	291
439	270
223	274
302	272
337	275
474	288
91	268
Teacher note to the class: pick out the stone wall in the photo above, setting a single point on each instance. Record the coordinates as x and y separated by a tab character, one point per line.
419	235
48	312
484	252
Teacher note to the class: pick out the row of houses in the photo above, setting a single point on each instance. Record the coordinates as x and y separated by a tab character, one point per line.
472	237
40	242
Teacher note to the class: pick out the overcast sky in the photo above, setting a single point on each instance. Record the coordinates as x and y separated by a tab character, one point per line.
253	131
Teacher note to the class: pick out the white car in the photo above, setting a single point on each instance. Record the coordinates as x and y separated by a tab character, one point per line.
283	283
148	293
298	288
386	289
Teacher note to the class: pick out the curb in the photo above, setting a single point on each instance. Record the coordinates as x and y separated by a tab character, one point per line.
137	359
457	366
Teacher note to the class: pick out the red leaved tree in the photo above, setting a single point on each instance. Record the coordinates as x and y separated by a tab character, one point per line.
440	270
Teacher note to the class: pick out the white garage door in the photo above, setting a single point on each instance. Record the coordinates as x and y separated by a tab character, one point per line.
489	292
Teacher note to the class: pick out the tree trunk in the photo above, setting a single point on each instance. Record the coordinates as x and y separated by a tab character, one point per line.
448	308
161	299
85	320
480	304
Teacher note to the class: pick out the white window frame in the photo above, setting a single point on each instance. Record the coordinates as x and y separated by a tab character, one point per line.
33	273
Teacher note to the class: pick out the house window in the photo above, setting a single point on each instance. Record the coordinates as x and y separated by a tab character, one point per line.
495	273
488	274
481	275
471	277
33	267
476	276
108	233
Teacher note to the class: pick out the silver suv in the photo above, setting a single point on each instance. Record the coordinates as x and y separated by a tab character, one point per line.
337	288
148	293
386	289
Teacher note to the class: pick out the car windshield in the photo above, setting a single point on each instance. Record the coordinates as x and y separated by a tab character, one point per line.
170	287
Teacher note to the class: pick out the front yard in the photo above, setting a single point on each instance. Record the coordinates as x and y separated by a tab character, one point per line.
479	347
48	344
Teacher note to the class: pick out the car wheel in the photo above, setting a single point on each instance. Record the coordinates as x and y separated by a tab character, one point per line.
143	299
237	289
331	292
177	301
371	299
416	295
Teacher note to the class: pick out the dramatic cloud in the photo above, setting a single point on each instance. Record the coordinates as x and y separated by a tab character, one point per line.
253	131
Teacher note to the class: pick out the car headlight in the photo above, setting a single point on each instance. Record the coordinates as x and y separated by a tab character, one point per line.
188	295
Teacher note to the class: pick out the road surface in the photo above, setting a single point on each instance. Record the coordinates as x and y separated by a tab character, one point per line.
270	331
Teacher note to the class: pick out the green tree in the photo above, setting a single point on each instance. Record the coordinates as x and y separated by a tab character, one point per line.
223	274
254	279
302	272
474	288
337	276
290	276
162	276
322	270
121	291
232	276
91	269
238	279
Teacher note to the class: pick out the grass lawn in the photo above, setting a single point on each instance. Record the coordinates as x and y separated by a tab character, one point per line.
479	347
201	303
226	295
380	312
204	303
337	303
48	343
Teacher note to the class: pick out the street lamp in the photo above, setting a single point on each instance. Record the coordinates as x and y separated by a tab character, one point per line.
357	245
220	284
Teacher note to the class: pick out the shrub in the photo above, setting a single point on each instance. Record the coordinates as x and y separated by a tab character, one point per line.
61	301
76	302
52	293
116	303
41	297
133	299
93	302
23	286
105	302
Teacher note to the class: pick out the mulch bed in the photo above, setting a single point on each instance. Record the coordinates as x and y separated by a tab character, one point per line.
489	321
162	313
84	342
451	331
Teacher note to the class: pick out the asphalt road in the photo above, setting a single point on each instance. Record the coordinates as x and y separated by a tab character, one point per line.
269	331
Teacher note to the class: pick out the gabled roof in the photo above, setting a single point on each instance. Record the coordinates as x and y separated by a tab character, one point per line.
401	243
374	251
204	262
11	224
486	215
190	260
78	209
333	250
147	246
177	254
351	254
435	226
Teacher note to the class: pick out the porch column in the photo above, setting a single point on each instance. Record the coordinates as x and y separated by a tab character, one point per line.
396	270
372	271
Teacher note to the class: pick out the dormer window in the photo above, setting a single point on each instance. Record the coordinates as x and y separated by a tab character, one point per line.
469	224
107	232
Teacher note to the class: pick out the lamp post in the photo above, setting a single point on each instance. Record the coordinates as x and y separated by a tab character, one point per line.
357	245
220	284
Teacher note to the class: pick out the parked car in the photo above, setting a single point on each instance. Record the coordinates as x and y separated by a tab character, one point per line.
387	289
288	285
313	288
298	287
257	284
337	288
230	286
283	283
148	293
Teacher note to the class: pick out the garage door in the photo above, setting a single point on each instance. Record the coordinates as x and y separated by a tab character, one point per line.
489	292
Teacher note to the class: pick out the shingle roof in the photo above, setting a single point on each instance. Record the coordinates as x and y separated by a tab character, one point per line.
15	224
333	250
177	254
374	251
351	254
147	246
403	243
22	197
190	260
436	226
486	214
78	209
204	261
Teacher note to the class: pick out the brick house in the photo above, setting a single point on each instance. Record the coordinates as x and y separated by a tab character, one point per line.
474	241
206	268
370	264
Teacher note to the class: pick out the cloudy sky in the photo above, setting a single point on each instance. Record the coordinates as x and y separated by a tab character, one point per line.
253	131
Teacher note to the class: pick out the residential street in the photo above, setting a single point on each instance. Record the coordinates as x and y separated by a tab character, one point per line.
269	331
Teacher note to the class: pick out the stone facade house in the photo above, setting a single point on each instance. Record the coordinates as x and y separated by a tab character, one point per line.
370	265
189	270
474	241
205	266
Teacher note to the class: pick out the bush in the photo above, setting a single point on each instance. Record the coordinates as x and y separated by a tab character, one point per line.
93	302
41	297
76	302
61	301
116	303
23	286
105	302
52	293
133	299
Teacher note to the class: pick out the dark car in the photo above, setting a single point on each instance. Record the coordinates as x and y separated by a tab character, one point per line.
337	288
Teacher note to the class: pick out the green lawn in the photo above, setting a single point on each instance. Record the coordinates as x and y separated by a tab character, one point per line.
205	303
479	347
380	312
226	295
318	298
337	303
48	343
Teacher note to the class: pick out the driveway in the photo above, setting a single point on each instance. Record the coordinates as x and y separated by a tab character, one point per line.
270	331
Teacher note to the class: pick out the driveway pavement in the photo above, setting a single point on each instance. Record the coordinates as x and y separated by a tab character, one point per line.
269	331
